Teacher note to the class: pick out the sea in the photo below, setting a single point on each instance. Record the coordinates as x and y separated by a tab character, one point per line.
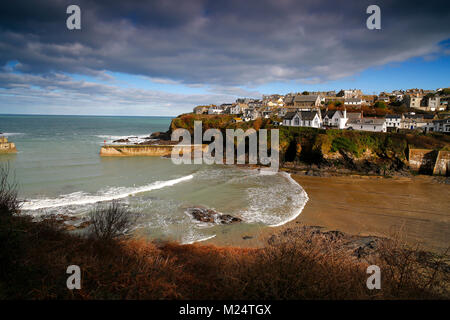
58	170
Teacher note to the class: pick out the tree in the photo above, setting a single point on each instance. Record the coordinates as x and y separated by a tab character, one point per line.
112	221
380	105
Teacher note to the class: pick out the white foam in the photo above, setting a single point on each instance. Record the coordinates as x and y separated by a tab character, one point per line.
298	210
10	134
191	241
133	139
83	198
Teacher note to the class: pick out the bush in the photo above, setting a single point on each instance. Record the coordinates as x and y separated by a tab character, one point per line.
344	144
111	222
380	105
9	204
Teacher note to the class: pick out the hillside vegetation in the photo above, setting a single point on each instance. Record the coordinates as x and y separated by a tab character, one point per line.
368	152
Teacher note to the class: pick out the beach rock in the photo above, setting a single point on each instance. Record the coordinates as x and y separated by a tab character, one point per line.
160	135
211	216
247	237
121	141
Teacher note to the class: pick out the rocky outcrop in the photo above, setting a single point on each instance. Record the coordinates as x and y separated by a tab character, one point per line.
66	222
160	135
360	247
211	216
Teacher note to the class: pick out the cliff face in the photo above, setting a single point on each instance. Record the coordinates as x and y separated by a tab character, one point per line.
365	152
7	147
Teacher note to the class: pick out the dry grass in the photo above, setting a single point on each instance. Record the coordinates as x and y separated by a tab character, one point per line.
34	257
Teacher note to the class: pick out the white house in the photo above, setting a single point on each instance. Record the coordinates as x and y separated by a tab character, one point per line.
235	109
441	125
215	110
335	118
367	124
303	119
393	121
353	102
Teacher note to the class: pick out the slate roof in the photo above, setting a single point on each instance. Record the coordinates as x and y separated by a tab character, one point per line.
305	98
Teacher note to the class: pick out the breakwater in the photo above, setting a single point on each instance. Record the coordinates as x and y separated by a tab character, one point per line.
141	150
7	147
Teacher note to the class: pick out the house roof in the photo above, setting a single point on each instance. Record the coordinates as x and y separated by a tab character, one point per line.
308	115
353	115
305	98
353	100
393	116
368	121
289	115
330	114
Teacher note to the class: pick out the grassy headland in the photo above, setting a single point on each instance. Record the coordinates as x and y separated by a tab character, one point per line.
330	150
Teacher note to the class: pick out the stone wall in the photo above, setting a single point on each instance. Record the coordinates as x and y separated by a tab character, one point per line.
427	161
7	147
442	164
139	150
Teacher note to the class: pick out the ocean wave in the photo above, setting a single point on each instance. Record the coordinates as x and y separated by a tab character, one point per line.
132	138
274	204
11	134
83	198
298	210
200	238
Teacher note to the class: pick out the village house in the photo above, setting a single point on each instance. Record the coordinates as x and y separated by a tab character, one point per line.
442	125
393	122
367	100
336	118
353	102
215	110
384	99
352	93
414	121
235	109
413	100
307	101
367	124
251	114
310	118
432	103
201	110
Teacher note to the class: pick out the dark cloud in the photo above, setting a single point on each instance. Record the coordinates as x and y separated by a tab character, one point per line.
221	43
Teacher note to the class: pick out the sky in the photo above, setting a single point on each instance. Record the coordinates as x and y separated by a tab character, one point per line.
162	58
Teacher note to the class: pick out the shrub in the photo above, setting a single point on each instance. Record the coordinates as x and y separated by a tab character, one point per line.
9	204
344	144
111	222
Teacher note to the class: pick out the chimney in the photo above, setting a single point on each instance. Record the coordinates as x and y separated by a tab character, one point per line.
345	113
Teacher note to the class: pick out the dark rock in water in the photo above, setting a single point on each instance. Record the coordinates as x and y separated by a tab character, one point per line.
160	135
121	141
247	237
211	216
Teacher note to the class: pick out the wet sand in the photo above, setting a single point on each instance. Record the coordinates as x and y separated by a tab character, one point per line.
417	207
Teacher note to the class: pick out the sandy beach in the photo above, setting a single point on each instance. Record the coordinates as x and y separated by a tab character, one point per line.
418	207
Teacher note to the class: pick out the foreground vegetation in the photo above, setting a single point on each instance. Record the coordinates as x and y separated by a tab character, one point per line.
34	257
